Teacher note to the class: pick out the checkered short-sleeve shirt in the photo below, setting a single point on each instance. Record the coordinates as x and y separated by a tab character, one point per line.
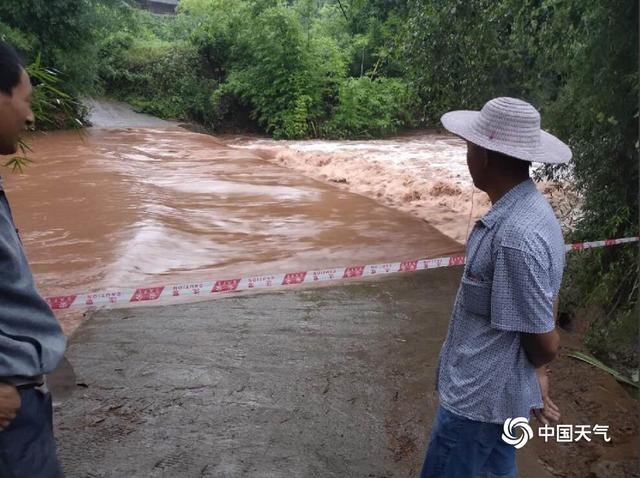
515	259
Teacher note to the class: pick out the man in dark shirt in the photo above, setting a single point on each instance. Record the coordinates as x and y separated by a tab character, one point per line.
31	340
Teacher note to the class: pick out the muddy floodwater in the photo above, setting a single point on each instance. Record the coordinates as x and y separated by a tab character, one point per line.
119	207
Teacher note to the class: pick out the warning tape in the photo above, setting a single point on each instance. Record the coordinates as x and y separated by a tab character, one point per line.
114	298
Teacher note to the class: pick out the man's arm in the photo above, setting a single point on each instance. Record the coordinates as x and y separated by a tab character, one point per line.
549	413
522	301
9	404
541	349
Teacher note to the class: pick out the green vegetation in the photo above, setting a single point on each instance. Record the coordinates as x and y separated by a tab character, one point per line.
294	70
58	40
367	68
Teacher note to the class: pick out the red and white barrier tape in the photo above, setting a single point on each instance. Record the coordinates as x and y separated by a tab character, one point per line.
151	295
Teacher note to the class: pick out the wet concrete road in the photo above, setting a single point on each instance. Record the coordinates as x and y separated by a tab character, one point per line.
326	382
107	113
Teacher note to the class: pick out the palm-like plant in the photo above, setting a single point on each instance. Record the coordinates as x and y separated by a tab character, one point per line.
19	162
53	108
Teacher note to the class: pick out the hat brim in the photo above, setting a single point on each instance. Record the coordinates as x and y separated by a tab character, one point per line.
550	150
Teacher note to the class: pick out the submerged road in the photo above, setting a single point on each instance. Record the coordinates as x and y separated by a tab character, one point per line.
139	202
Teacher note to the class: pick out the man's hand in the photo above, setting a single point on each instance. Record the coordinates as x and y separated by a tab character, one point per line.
9	404
550	412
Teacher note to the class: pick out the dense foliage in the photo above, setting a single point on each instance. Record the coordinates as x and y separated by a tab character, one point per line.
57	39
365	68
293	69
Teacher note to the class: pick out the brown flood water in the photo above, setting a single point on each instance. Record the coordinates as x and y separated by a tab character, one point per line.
137	206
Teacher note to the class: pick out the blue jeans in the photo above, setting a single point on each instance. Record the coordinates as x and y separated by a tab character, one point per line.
463	448
27	446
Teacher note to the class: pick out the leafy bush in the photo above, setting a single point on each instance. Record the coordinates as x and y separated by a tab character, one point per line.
284	64
371	107
57	40
274	77
53	105
63	33
157	77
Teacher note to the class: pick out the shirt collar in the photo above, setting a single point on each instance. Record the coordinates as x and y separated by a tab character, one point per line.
504	204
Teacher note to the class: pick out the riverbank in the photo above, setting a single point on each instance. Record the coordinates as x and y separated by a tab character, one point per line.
589	396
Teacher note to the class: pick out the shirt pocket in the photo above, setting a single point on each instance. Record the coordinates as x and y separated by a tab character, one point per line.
476	297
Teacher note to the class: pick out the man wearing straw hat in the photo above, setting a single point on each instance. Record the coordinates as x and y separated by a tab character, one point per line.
502	330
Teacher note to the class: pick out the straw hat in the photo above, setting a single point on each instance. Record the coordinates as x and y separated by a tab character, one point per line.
509	126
